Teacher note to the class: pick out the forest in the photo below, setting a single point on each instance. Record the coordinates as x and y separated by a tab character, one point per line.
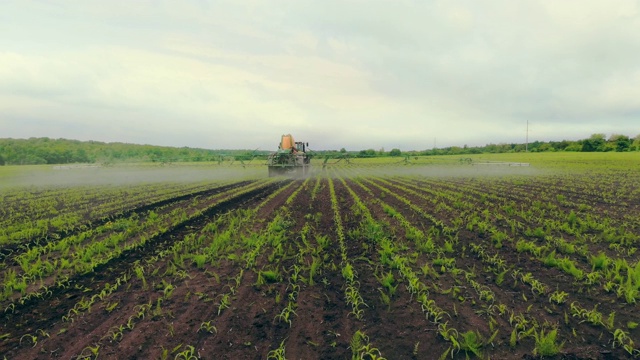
45	150
35	151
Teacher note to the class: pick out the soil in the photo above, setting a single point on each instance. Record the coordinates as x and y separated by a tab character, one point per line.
322	327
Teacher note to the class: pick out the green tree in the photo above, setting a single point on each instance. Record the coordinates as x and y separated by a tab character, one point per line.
395	152
595	143
574	147
619	142
636	143
546	147
367	153
560	145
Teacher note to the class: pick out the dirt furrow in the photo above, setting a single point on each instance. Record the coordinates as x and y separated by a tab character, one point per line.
38	313
12	250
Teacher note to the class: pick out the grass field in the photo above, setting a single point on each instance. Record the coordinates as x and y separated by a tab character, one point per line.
424	258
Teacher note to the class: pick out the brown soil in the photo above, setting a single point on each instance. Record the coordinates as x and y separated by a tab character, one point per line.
173	326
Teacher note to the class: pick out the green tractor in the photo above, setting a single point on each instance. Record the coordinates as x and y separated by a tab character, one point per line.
291	159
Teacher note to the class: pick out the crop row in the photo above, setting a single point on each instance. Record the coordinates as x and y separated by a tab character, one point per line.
350	263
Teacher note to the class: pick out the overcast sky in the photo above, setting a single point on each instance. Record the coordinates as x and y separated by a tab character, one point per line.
353	74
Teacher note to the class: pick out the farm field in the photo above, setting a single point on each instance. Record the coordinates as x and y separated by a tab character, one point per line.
423	259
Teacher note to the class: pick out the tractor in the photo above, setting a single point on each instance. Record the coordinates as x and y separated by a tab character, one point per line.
291	159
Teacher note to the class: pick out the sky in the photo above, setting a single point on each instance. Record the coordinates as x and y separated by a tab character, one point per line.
338	74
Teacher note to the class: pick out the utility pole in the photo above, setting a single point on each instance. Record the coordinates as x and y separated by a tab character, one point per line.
526	146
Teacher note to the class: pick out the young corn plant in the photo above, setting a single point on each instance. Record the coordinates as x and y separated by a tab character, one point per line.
30	338
387	281
139	270
225	302
546	344
558	297
90	352
206	326
472	342
285	314
622	339
354	299
451	335
188	354
361	348
279	353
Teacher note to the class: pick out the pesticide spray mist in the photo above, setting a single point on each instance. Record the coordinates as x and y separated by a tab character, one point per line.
123	175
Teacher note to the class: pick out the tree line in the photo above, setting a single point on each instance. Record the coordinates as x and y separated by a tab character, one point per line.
34	151
63	151
595	143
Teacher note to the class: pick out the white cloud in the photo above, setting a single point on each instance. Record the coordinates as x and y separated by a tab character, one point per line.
375	73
